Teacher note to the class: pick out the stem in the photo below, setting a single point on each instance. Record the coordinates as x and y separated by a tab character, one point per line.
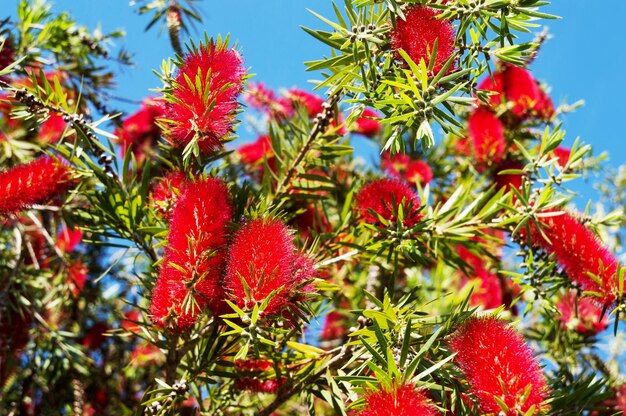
171	360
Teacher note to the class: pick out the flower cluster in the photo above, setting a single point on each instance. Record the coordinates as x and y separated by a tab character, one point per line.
32	183
418	33
401	166
499	365
166	192
384	197
203	100
139	131
189	279
250	374
583	257
398	400
581	315
263	261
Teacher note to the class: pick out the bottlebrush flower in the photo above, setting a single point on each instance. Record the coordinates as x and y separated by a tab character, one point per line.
264	256
167	190
562	155
144	355
139	131
585	319
334	326
52	129
312	103
418	172
402	400
204	97
254	153
77	276
6	54
510	180
259	97
368	124
516	85
249	376
68	239
384	196
579	252
189	279
419	32
32	183
497	363
487	135
95	336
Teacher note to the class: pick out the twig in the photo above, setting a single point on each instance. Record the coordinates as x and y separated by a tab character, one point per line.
172	15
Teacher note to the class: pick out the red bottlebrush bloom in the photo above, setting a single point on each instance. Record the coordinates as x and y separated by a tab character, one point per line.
488	288
264	256
189	279
384	196
130	320
394	165
579	252
403	400
586	319
249	376
334	326
52	129
204	97
562	155
419	32
32	183
167	191
368	124
497	363
265	100
418	172
487	135
312	219
68	239
516	85
77	276
6	54
510	180
95	337
255	152
311	102
139	131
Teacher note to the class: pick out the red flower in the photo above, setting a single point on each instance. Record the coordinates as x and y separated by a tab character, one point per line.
139	131
394	165
419	32
204	97
167	191
403	400
516	85
130	321
77	276
562	155
189	279
68	239
384	196
419	172
312	103
145	355
95	336
585	319
487	135
6	54
579	252
510	180
368	124
263	257
334	326
497	363
250	374
263	99
255	152
52	129
32	183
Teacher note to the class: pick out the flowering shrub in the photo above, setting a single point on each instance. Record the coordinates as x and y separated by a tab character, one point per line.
152	262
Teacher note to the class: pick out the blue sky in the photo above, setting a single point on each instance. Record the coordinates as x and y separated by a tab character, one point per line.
584	60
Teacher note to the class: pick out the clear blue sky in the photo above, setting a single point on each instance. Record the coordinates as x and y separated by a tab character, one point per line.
585	59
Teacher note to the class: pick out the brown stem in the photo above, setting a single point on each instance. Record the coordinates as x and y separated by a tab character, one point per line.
171	362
